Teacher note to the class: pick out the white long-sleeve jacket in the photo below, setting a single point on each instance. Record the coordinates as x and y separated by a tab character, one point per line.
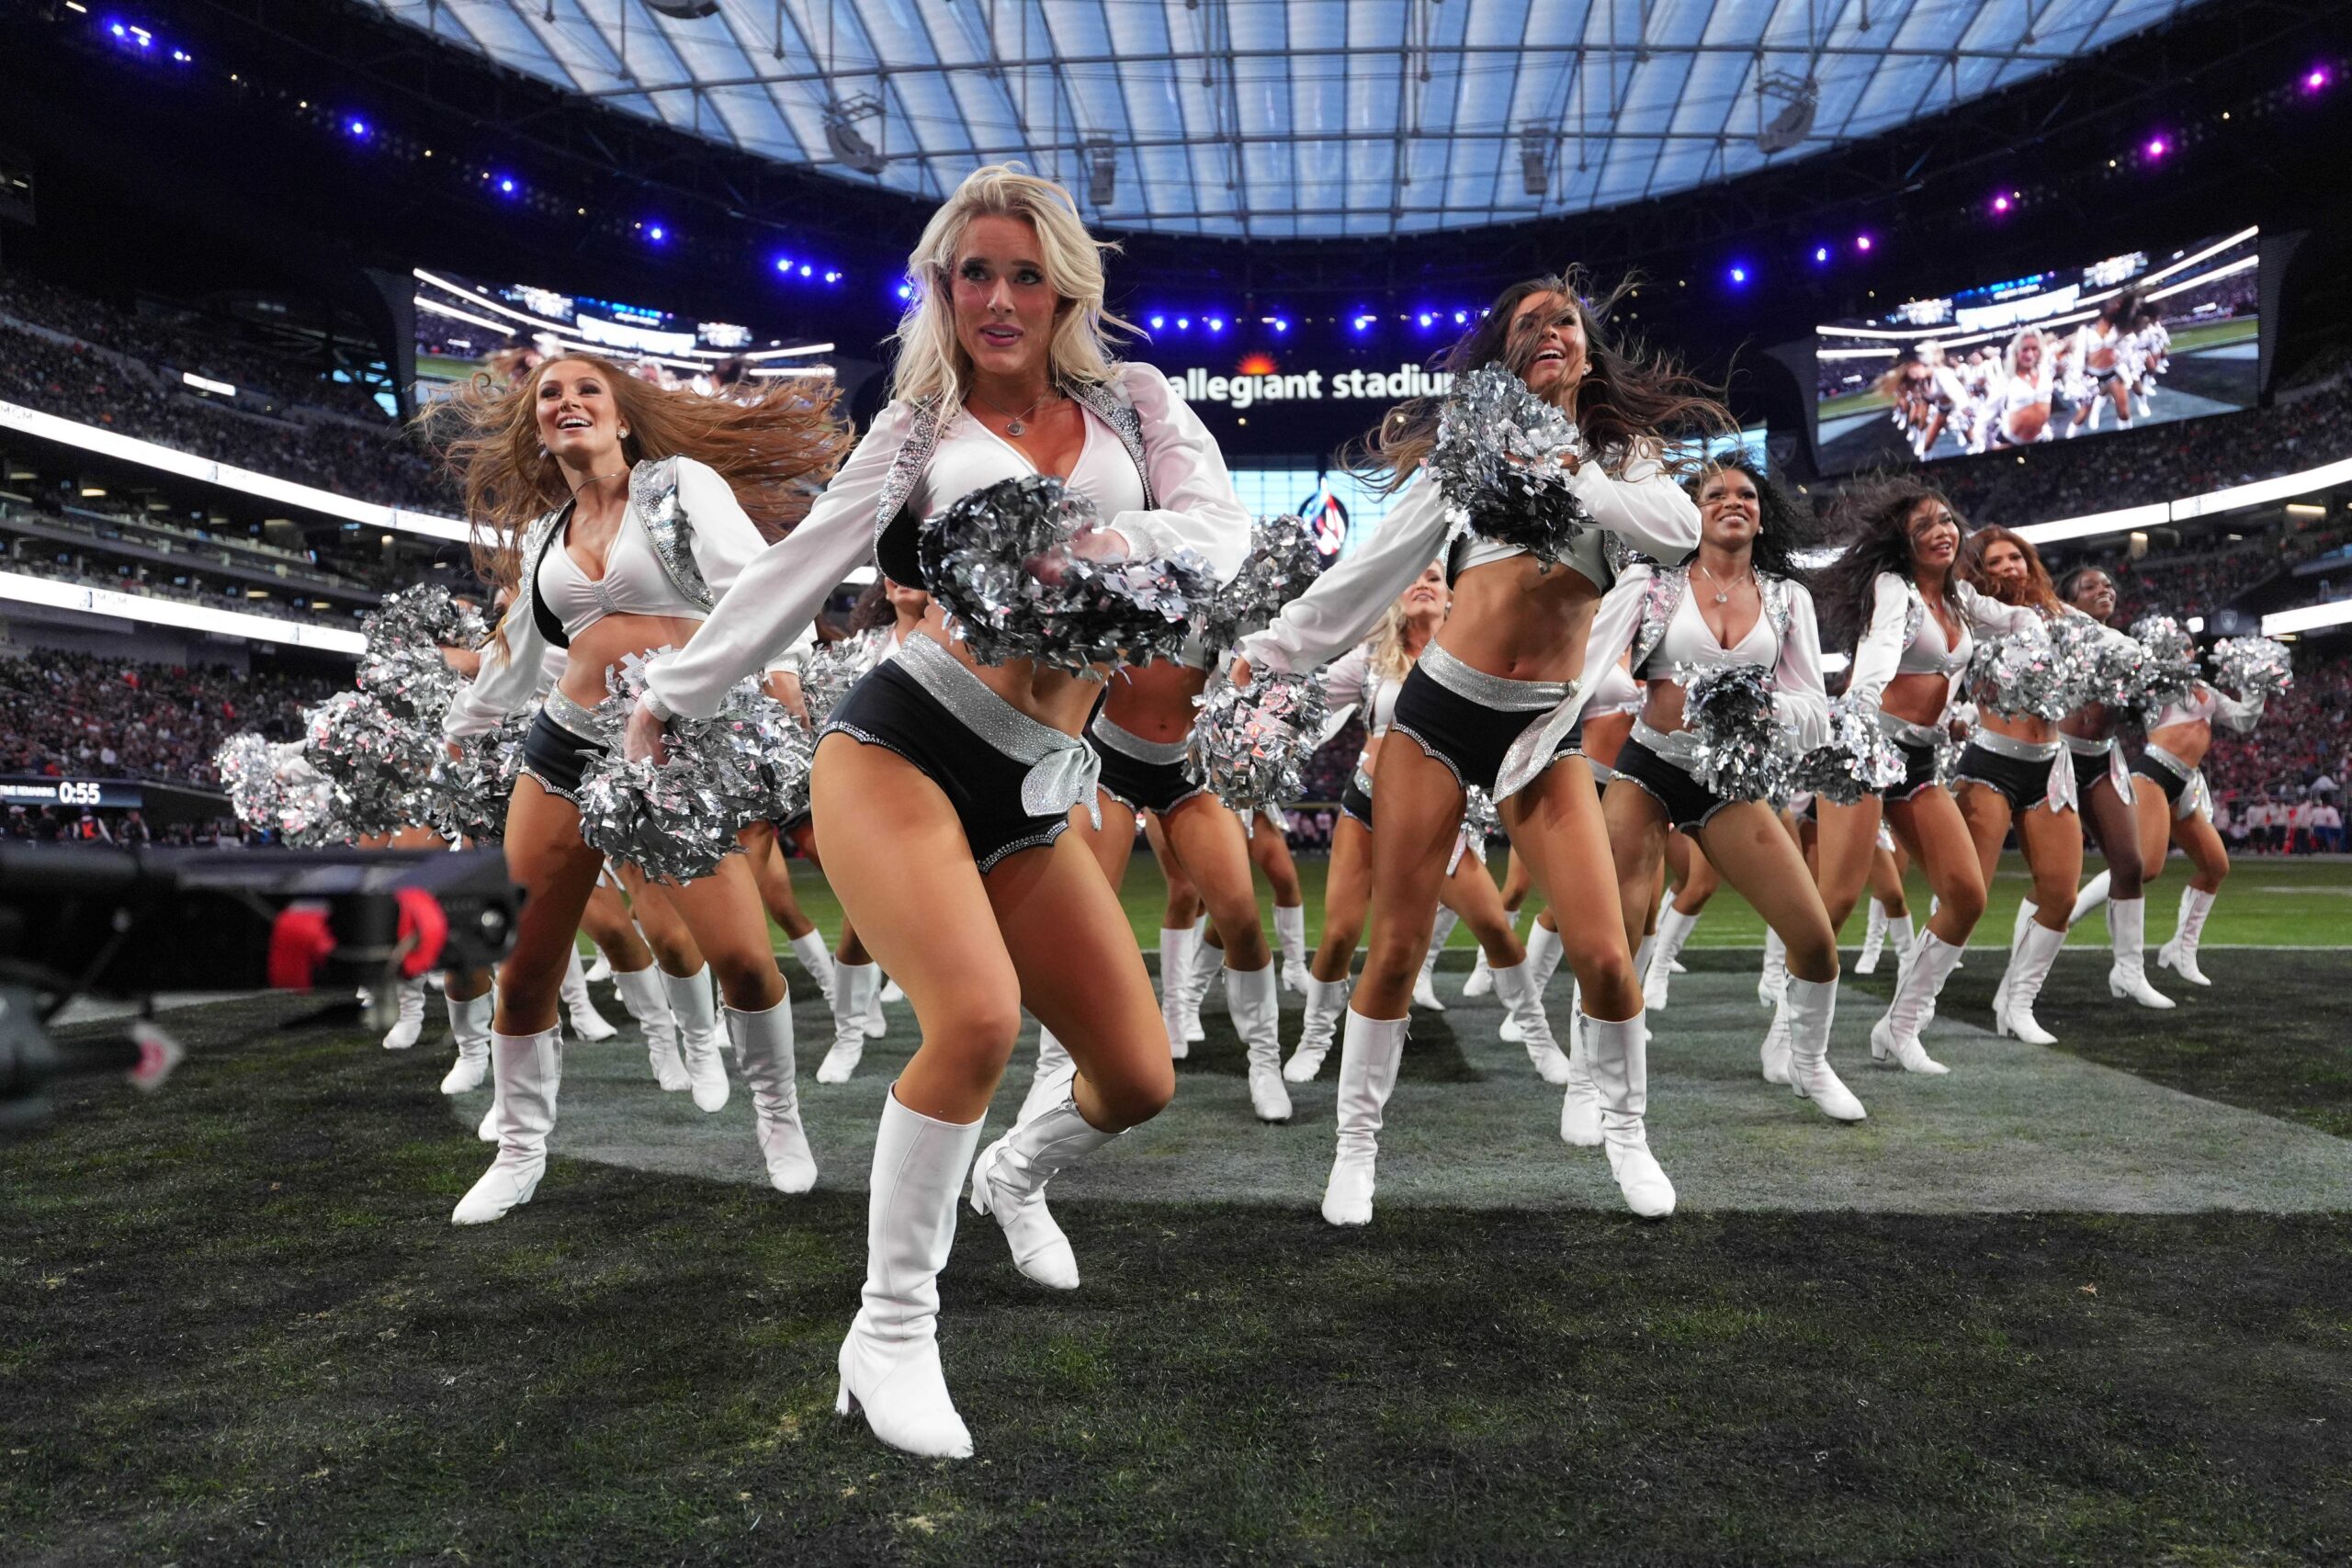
776	596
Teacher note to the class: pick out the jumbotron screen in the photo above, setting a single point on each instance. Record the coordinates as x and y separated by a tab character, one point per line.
463	327
2138	339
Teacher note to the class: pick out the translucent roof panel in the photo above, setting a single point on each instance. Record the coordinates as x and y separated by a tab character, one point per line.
1289	119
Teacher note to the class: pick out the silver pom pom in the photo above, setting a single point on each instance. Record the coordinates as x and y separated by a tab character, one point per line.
999	561
677	820
1499	456
2168	670
272	789
1284	561
1741	752
402	664
1481	823
466	796
1858	759
1250	743
374	761
2253	667
2021	674
830	669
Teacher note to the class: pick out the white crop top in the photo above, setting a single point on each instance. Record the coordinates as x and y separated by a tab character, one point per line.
782	589
2211	706
1613	690
1642	505
1904	639
1651	612
720	539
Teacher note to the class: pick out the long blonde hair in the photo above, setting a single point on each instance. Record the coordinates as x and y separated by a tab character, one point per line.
930	362
775	448
1389	656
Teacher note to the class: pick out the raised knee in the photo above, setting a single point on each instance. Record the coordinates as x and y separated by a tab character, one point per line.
1134	1098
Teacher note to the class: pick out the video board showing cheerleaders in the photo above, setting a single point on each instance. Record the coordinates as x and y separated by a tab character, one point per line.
2144	338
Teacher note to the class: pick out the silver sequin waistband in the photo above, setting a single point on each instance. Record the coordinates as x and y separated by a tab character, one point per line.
2010	745
1062	768
1127	744
570	716
2082	748
1497	691
2171	763
1910	734
1677	750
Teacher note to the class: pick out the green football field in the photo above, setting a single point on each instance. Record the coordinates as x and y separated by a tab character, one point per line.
2082	1304
2267	902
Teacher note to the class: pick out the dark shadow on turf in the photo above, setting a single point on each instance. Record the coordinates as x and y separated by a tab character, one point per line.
242	1328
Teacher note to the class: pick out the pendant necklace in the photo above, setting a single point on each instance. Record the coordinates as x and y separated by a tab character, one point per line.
1014	425
1722	594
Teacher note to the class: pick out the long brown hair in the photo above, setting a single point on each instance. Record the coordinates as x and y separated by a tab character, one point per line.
1626	403
774	446
2036	593
1873	515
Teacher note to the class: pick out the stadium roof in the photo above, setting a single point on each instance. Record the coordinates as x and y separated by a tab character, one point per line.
1289	119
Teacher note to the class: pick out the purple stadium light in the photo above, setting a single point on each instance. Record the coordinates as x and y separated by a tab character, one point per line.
1862	244
2157	147
2315	80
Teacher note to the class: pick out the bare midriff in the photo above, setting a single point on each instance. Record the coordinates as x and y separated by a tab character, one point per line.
2188	741
1052	697
2019	727
1515	619
1661	705
606	641
1917	698
1154	701
2092	721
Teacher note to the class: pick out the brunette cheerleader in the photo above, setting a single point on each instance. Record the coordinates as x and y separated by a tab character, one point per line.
1492	702
612	508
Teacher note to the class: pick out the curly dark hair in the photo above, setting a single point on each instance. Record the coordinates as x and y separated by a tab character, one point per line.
1875	519
1786	528
1628	399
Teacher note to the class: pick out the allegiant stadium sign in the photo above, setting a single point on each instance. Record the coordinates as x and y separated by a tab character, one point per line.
1198	386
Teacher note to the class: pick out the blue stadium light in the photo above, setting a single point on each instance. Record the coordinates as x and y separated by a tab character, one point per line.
832	277
117	30
1821	255
182	57
784	264
906	291
1461	318
1282	323
1363	321
657	234
356	128
1217	323
1424	320
506	186
807	270
1183	323
1154	323
1739	275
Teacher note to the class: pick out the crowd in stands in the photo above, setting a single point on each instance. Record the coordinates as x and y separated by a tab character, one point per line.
2300	755
2199	582
2160	463
74	714
77	384
182	345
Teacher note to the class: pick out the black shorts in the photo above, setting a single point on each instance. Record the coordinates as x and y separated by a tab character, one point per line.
1689	803
1919	770
2165	779
2023	783
1139	786
889	708
556	756
1469	738
2088	771
1355	801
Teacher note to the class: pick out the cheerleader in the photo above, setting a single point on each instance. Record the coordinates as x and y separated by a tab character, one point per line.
2103	786
1897	579
942	785
2017	771
611	508
1369	677
2179	811
2017	406
1139	736
1740	599
1492	700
